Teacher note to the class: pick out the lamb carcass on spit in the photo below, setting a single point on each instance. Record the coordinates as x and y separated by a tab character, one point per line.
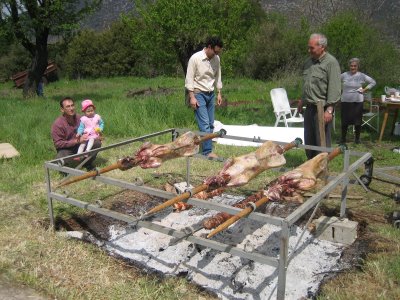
237	171
240	170
290	186
151	155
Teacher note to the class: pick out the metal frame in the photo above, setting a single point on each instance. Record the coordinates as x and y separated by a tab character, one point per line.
280	263
381	172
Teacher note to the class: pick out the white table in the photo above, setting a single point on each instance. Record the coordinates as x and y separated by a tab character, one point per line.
279	134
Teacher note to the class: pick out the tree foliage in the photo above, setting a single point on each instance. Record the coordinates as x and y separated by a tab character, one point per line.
349	37
175	29
104	54
32	22
274	47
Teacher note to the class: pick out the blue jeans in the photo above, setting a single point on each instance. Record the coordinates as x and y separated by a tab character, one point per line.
205	117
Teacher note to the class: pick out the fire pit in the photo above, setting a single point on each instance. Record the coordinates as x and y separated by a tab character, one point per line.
256	253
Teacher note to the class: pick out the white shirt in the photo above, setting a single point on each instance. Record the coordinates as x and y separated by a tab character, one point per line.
202	73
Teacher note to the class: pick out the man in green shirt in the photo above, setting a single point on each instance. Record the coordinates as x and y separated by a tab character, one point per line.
321	75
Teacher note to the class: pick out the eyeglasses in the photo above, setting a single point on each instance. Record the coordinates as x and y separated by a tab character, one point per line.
217	51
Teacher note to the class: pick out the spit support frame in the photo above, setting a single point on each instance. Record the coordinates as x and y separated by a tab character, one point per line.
280	263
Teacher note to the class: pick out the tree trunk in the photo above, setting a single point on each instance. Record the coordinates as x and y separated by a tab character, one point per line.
184	53
38	65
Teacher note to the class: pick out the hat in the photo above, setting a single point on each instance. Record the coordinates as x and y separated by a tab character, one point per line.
86	103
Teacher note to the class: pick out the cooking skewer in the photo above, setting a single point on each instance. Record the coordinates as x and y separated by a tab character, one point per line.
203	187
129	162
252	206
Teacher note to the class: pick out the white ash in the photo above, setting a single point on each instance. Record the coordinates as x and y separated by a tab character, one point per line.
230	277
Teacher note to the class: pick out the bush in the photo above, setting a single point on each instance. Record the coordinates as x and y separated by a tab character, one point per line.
349	37
106	54
274	48
17	59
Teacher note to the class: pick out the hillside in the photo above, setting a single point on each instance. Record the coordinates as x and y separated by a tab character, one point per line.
382	13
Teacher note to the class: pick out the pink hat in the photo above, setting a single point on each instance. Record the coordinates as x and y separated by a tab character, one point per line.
86	103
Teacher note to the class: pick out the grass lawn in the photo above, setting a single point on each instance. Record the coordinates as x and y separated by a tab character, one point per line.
66	269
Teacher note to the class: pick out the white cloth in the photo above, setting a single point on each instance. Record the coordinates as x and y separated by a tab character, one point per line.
278	134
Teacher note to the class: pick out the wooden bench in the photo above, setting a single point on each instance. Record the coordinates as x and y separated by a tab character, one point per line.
20	77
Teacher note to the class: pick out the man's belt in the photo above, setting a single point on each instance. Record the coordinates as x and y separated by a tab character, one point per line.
197	91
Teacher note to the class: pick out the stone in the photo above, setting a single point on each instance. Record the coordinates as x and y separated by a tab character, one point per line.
182	187
7	151
336	230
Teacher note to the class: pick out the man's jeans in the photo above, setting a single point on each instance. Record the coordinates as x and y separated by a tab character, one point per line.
205	117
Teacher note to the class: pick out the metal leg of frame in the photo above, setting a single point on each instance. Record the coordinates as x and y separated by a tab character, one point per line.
283	261
360	182
49	199
345	182
187	171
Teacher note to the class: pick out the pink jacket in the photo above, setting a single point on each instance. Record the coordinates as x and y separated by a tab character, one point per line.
88	125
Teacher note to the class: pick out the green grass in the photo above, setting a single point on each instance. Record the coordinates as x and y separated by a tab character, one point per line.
32	254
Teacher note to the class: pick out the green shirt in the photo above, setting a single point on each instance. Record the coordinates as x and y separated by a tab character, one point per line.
321	80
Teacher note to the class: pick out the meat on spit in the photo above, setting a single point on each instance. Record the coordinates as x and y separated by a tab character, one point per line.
290	186
240	170
237	171
152	155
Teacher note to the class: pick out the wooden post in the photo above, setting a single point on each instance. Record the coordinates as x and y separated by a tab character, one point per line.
321	123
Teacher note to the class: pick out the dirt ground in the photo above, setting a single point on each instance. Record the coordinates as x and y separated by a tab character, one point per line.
14	291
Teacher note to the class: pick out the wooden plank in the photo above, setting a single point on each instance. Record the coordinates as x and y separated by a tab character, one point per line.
321	123
20	77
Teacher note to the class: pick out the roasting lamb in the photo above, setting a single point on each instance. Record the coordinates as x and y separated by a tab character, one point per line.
151	155
240	170
289	187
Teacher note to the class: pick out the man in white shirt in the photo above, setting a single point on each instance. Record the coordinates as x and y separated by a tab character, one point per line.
202	77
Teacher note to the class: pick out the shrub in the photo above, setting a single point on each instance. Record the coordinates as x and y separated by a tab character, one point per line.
273	48
349	37
105	54
17	59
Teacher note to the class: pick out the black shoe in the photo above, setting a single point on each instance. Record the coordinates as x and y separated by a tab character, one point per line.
90	167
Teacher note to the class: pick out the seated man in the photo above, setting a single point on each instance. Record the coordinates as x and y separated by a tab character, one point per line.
63	133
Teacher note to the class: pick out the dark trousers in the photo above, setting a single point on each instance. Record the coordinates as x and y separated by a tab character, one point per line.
357	129
73	150
311	130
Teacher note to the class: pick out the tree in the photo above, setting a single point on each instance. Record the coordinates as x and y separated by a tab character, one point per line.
175	29
32	21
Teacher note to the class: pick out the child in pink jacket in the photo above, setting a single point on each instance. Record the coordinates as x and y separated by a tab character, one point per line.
91	125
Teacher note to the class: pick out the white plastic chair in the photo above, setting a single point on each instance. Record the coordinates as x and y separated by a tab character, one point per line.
372	114
283	112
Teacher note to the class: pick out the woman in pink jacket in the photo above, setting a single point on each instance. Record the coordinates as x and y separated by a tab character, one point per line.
91	125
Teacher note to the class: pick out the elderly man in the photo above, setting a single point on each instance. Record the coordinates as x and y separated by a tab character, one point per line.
321	75
64	129
202	76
